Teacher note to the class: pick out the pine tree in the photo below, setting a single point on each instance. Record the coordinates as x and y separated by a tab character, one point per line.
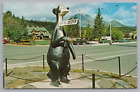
74	29
14	27
98	30
89	34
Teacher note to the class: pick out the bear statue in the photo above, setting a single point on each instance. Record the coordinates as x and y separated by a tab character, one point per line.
59	51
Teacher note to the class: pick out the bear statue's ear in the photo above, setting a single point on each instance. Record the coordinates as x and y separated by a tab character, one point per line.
55	11
58	10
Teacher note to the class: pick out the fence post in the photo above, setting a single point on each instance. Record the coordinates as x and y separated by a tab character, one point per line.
3	81
82	63
43	62
119	66
6	66
93	81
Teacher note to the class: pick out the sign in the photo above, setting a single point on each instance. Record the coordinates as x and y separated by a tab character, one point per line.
68	22
106	38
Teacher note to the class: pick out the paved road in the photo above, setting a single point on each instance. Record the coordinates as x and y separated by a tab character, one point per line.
127	53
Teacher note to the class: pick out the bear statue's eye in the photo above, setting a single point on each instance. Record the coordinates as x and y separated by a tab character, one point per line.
68	8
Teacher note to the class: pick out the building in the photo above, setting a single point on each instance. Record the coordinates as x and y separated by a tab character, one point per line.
134	36
38	33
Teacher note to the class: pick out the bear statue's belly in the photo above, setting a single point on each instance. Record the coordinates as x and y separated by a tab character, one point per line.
59	54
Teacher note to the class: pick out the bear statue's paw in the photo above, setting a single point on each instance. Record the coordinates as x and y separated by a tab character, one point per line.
65	80
49	75
55	83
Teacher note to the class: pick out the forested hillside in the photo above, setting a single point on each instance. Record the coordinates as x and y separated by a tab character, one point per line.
14	28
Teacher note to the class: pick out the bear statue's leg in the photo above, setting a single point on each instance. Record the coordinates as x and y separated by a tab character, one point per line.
63	74
54	72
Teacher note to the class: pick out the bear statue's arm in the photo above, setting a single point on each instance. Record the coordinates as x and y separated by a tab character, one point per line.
71	49
70	46
57	42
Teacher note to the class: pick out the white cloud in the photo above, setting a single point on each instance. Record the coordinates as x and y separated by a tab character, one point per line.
133	7
41	10
122	13
129	21
43	19
106	17
127	17
28	18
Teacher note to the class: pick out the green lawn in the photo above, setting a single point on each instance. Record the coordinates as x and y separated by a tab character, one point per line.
40	42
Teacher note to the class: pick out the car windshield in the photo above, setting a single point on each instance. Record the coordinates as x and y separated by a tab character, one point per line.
78	39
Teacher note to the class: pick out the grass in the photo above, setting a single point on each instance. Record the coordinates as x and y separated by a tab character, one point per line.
47	42
25	75
129	79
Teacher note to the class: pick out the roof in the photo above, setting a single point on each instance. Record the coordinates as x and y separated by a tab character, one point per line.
29	34
30	29
44	34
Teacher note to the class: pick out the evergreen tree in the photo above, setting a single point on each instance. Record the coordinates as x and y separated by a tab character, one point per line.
83	33
70	33
89	34
74	29
17	36
14	27
98	31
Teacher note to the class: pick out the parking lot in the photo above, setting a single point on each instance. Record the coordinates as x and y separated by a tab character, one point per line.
126	51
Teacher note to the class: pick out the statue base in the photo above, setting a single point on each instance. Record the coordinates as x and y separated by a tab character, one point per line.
77	80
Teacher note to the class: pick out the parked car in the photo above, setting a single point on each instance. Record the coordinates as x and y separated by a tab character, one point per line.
79	42
104	41
129	40
4	41
92	42
115	41
122	40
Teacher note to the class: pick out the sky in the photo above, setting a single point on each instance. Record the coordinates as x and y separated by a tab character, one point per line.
125	13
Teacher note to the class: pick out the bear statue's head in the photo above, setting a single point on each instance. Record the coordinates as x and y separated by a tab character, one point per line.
61	10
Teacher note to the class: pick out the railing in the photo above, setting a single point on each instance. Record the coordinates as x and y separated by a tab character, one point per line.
6	63
93	78
83	67
100	60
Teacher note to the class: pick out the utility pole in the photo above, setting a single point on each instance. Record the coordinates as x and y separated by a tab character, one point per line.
109	11
80	23
110	33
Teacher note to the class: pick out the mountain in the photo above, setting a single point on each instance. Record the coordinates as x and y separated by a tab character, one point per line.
85	19
134	26
114	23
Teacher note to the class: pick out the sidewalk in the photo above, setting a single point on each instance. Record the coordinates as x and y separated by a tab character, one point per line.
78	80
